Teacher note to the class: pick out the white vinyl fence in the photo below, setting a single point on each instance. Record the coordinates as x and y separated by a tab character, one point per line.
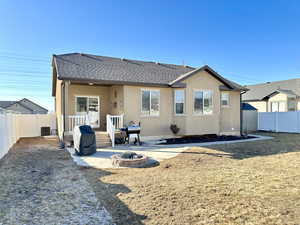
279	121
14	126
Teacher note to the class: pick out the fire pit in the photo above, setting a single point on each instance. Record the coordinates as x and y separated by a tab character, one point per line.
129	159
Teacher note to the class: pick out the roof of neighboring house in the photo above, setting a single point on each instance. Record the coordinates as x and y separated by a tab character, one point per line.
259	92
4	104
109	70
246	106
22	102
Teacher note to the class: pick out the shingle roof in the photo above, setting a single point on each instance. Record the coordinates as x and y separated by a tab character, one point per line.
4	104
86	67
261	91
91	67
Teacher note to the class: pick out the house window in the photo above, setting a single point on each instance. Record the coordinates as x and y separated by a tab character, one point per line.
291	104
203	102
150	102
278	107
81	104
225	99
179	102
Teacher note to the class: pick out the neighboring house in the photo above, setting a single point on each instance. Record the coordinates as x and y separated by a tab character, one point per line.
24	106
197	100
278	96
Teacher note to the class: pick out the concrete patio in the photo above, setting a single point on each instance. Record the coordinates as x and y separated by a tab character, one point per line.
102	158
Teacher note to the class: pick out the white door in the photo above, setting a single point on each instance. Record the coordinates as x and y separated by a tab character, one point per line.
89	105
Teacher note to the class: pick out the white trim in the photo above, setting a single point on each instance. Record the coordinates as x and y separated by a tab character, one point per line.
212	102
174	100
88	96
141	100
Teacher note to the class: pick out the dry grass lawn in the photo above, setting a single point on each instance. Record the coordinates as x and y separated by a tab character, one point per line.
245	183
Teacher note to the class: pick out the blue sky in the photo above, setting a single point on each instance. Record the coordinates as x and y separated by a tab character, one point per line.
246	41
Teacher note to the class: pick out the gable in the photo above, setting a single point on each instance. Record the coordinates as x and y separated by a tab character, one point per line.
203	79
278	97
230	85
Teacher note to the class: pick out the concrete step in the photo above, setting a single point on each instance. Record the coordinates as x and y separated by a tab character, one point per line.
103	144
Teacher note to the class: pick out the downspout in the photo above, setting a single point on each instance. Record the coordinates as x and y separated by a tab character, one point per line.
64	111
241	115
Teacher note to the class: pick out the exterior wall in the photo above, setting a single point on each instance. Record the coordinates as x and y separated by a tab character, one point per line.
230	115
189	123
277	98
86	90
150	125
126	100
202	124
19	108
116	94
261	106
58	108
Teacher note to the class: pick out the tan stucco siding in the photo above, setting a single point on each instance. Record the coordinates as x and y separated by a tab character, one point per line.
58	107
230	115
261	106
150	125
189	123
86	90
116	94
202	124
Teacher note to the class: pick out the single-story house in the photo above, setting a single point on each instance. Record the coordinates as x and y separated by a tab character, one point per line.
107	90
277	96
23	106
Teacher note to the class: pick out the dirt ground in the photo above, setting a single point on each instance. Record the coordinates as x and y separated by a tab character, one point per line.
243	183
40	184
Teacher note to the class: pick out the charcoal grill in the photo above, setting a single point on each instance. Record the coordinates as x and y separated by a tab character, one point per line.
132	130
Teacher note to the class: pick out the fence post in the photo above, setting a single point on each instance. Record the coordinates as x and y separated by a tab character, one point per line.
258	128
276	122
298	121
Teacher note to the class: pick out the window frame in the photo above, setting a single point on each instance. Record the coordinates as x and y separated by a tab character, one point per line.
144	113
212	102
228	101
174	96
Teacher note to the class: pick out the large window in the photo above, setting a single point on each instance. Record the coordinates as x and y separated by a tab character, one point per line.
203	102
179	102
150	102
225	99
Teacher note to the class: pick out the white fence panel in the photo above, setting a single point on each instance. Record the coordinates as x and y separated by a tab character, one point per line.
15	126
267	121
288	122
29	125
279	121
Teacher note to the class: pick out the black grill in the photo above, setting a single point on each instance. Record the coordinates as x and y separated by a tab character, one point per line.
131	130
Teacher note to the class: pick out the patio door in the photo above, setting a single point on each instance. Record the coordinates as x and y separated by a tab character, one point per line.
89	105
